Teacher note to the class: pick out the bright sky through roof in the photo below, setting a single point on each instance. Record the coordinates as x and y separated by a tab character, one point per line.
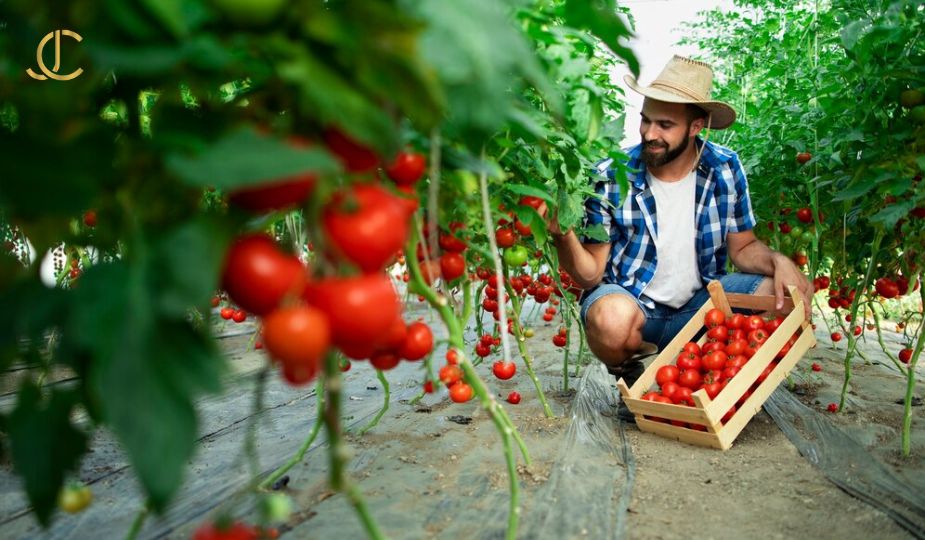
658	24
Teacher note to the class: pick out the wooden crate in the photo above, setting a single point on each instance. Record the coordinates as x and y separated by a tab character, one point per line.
708	412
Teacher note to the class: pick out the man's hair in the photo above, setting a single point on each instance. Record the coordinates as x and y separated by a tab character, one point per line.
694	112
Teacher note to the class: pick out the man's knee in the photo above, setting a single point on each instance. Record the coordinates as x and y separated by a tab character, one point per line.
614	327
766	287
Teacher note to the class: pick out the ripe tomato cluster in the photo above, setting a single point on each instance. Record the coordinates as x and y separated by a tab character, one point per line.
731	343
364	224
454	378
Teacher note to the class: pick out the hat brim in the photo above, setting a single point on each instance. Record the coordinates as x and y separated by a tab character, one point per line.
722	115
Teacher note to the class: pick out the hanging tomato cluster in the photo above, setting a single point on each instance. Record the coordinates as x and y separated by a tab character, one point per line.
364	225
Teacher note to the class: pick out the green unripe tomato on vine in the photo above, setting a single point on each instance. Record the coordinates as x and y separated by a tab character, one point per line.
249	12
515	256
796	231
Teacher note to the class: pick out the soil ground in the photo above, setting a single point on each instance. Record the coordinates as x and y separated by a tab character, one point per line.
436	469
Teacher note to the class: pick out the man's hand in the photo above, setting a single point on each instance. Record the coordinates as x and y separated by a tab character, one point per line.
786	274
552	220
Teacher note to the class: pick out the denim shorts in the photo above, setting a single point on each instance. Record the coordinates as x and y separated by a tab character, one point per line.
664	322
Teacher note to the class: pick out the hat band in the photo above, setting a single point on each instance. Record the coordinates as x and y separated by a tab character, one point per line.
683	90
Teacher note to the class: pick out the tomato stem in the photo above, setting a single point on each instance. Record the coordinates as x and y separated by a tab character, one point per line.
138	521
298	456
860	292
910	384
385	403
521	347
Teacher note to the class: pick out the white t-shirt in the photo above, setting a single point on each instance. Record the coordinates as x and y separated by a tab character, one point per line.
677	277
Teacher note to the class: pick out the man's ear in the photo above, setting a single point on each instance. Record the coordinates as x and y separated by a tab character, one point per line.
695	127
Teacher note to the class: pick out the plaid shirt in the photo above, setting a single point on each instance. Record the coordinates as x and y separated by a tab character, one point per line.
723	206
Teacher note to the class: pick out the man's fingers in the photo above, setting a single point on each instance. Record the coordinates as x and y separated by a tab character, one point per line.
779	293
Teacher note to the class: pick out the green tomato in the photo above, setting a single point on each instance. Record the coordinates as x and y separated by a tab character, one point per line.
250	12
515	256
808	237
786	241
277	507
796	231
74	498
918	114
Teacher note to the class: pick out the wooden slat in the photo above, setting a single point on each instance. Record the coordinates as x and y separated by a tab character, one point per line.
718	296
759	302
670	351
665	410
690	436
752	405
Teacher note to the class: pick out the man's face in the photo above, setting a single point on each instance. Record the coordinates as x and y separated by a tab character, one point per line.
665	130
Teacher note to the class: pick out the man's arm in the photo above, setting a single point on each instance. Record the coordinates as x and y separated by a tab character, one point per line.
751	255
585	263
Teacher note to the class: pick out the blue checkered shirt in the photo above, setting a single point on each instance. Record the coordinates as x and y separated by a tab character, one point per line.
723	206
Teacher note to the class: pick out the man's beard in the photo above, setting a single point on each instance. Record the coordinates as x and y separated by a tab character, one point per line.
657	160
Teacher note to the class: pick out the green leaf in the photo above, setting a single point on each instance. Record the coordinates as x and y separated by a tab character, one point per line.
920	161
44	444
523	189
191	257
170	15
147	371
893	213
601	18
244	157
596	232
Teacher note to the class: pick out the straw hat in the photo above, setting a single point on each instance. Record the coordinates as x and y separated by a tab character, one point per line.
687	81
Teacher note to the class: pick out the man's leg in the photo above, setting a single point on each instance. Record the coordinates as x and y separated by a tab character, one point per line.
613	325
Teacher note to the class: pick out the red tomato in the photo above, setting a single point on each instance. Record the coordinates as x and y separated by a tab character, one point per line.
482	350
905	356
773	324
754	322
529	200
504	370
384	360
354	156
559	341
357	351
692	347
736	321
738	361
684	396
452	265
450	374
513	398
757	338
227	313
670	390
452	357
522	228
715	360
504	236
650	396
298	337
448	242
276	195
729	414
690	378
667	374
367	225
89	218
345	365
736	347
234	531
767	371
216	301
730	372
361	309
832	407
395	336
803	157
713	389
738	333
718	333
816	367
258	275
407	168
688	361
805	215
460	392
714	317
418	342
712	346
428	387
239	316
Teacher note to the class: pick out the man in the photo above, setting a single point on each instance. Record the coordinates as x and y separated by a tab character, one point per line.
687	208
